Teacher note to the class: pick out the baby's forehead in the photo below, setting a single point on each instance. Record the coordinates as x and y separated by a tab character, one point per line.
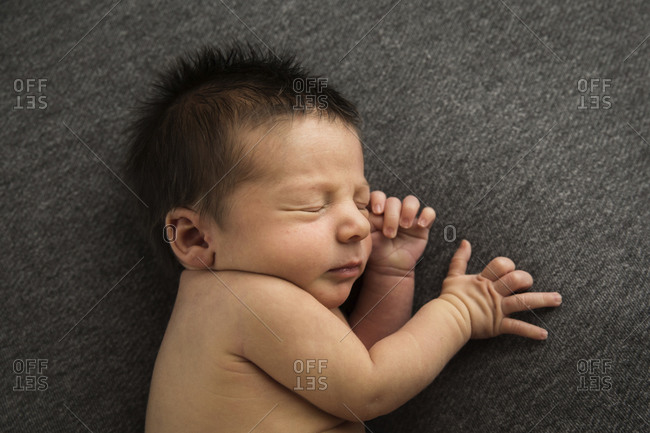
285	144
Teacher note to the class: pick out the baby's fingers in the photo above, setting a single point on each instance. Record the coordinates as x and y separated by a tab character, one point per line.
523	329
392	213
529	301
514	281
498	267
377	202
458	265
427	216
410	207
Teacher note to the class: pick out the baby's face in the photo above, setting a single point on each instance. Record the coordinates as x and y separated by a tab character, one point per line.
305	220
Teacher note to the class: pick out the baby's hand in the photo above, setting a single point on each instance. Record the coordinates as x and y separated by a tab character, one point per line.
486	299
398	237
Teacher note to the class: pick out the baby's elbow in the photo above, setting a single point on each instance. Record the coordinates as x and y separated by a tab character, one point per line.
363	393
364	412
362	405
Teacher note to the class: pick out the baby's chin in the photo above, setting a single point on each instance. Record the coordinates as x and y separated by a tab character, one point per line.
332	295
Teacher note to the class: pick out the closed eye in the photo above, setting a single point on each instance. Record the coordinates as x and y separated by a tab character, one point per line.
313	209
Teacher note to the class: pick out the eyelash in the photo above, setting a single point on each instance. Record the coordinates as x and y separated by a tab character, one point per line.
361	207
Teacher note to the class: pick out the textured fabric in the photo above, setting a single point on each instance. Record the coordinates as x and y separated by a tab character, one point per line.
472	106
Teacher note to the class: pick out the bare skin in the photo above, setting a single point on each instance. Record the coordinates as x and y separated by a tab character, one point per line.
256	339
202	381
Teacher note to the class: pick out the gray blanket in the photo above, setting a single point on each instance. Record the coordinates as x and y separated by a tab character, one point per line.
524	124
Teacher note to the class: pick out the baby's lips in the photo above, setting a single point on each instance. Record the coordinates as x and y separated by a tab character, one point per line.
355	263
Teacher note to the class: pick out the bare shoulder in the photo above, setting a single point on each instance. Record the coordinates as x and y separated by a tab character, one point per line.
223	299
231	309
228	287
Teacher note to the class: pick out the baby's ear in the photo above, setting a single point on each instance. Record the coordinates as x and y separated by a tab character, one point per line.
189	239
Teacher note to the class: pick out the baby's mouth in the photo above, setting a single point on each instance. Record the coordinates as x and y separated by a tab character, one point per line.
351	264
348	270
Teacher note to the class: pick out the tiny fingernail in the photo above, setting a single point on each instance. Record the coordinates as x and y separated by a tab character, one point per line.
422	222
558	298
544	334
405	223
377	208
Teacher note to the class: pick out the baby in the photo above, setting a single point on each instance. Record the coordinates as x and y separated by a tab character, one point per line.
253	173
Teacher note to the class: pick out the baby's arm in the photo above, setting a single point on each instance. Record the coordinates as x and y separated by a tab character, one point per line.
399	237
361	383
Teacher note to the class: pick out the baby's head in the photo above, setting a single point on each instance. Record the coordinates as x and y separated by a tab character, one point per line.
253	165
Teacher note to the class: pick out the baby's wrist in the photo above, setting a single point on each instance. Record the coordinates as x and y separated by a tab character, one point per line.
389	271
460	312
392	280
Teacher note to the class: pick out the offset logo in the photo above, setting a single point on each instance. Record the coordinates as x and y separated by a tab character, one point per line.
309	374
30	374
308	93
29	93
594	94
594	374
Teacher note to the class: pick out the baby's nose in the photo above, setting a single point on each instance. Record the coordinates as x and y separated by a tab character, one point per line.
354	227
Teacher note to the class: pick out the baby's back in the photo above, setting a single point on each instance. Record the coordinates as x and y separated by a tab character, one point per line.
203	383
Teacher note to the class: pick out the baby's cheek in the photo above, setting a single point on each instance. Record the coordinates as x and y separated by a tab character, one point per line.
366	245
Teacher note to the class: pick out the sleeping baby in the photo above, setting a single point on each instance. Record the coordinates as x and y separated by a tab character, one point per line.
253	173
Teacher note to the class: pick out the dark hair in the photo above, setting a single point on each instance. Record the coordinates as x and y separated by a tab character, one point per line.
183	144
